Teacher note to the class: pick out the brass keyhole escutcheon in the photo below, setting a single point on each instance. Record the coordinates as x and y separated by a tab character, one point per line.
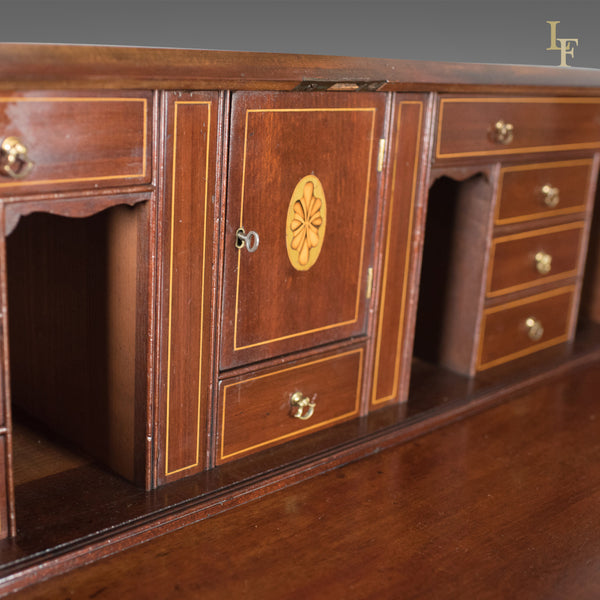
535	330
16	163
302	406
543	262
551	196
503	132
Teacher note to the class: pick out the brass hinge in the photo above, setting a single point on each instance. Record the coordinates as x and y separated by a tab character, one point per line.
369	282
339	86
381	155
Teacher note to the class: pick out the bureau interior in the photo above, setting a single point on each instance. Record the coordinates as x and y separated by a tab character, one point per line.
456	302
73	289
452	264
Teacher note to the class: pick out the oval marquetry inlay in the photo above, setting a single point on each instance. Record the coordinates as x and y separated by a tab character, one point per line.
305	226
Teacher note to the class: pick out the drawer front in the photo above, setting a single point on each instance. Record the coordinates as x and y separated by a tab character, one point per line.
525	326
523	260
73	142
258	411
499	126
302	176
528	192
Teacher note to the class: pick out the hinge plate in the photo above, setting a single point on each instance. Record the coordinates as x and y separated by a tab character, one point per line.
381	155
369	282
339	86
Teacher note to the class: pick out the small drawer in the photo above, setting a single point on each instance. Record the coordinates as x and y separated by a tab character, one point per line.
281	404
524	326
527	192
73	142
499	126
527	259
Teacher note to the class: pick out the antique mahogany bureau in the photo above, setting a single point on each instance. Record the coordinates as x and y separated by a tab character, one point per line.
224	272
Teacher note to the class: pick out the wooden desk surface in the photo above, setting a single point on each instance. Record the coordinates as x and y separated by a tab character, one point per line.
505	504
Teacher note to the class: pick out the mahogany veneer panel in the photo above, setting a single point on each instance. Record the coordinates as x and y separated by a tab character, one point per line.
5	525
520	190
53	66
513	265
455	261
590	293
540	123
270	306
79	140
504	334
397	308
72	298
255	412
528	469
187	282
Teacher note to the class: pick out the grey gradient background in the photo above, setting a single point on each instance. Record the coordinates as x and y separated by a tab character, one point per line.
478	31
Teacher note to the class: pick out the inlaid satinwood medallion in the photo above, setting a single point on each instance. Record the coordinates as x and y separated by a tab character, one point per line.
305	225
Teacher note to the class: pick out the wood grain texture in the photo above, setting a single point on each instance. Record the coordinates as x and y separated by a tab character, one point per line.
79	140
6	492
7	482
540	124
590	291
520	190
108	513
270	307
455	258
43	66
502	505
187	283
138	392
73	300
512	264
395	313
504	333
256	412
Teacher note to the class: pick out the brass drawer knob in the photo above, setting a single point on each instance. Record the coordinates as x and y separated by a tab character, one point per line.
551	196
299	403
503	132
543	262
250	240
13	155
535	331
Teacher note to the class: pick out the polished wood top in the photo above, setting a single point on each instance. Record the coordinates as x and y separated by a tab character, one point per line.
505	504
48	66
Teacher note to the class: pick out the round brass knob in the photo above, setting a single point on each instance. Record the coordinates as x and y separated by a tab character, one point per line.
543	262
535	331
299	403
503	132
13	155
551	196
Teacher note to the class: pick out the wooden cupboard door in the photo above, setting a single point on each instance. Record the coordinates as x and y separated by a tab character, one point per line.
303	175
187	273
401	220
